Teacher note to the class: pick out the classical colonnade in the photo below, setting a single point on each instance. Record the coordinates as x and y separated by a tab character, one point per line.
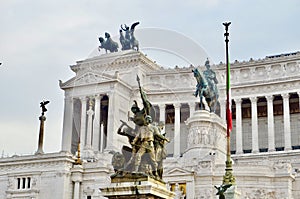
92	131
254	123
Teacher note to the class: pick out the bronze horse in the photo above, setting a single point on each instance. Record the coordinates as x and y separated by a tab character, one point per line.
129	41
203	90
108	44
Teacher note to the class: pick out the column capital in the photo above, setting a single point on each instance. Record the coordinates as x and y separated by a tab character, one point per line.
269	98
90	112
83	98
109	93
192	104
91	97
69	98
238	100
222	101
285	95
253	99
177	105
98	96
161	106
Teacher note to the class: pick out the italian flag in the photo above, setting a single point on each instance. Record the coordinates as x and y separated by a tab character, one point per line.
228	101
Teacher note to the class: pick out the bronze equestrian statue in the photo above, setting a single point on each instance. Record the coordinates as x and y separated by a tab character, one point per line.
204	89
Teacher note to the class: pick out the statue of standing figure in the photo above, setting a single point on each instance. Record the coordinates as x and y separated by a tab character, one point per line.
129	41
146	137
147	142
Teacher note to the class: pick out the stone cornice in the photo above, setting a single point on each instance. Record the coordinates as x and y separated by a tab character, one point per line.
287	156
103	80
32	159
253	72
265	83
88	78
116	61
274	88
289	57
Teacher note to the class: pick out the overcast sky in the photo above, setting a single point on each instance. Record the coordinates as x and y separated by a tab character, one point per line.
40	39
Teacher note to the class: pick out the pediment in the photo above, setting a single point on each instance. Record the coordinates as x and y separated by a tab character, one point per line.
177	171
87	79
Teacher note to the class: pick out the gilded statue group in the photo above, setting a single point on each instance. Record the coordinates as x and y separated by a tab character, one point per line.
147	142
128	41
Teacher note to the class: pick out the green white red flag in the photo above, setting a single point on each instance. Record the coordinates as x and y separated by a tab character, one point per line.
228	101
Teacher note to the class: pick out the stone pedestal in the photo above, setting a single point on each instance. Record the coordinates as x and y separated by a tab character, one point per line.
77	171
232	193
206	138
136	186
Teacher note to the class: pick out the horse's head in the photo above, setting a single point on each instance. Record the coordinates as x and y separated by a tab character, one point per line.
107	35
101	39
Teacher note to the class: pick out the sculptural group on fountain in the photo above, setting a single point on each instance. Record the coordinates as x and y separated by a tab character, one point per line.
147	142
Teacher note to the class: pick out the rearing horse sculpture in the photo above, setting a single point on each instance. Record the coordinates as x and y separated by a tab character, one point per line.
129	41
203	90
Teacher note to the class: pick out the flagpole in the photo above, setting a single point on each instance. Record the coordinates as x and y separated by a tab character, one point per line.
228	178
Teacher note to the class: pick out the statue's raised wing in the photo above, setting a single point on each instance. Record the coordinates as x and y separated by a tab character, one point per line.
134	25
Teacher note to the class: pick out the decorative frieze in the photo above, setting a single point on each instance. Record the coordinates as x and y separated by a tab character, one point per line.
263	193
203	193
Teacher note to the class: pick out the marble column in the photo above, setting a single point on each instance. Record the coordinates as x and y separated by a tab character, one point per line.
299	98
76	177
162	115
239	128
192	108
286	121
76	190
96	123
177	130
223	108
190	189
83	122
110	122
90	114
271	132
162	112
254	125
67	126
101	137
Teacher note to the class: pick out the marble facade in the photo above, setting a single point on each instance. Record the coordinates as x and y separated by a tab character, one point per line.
265	140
